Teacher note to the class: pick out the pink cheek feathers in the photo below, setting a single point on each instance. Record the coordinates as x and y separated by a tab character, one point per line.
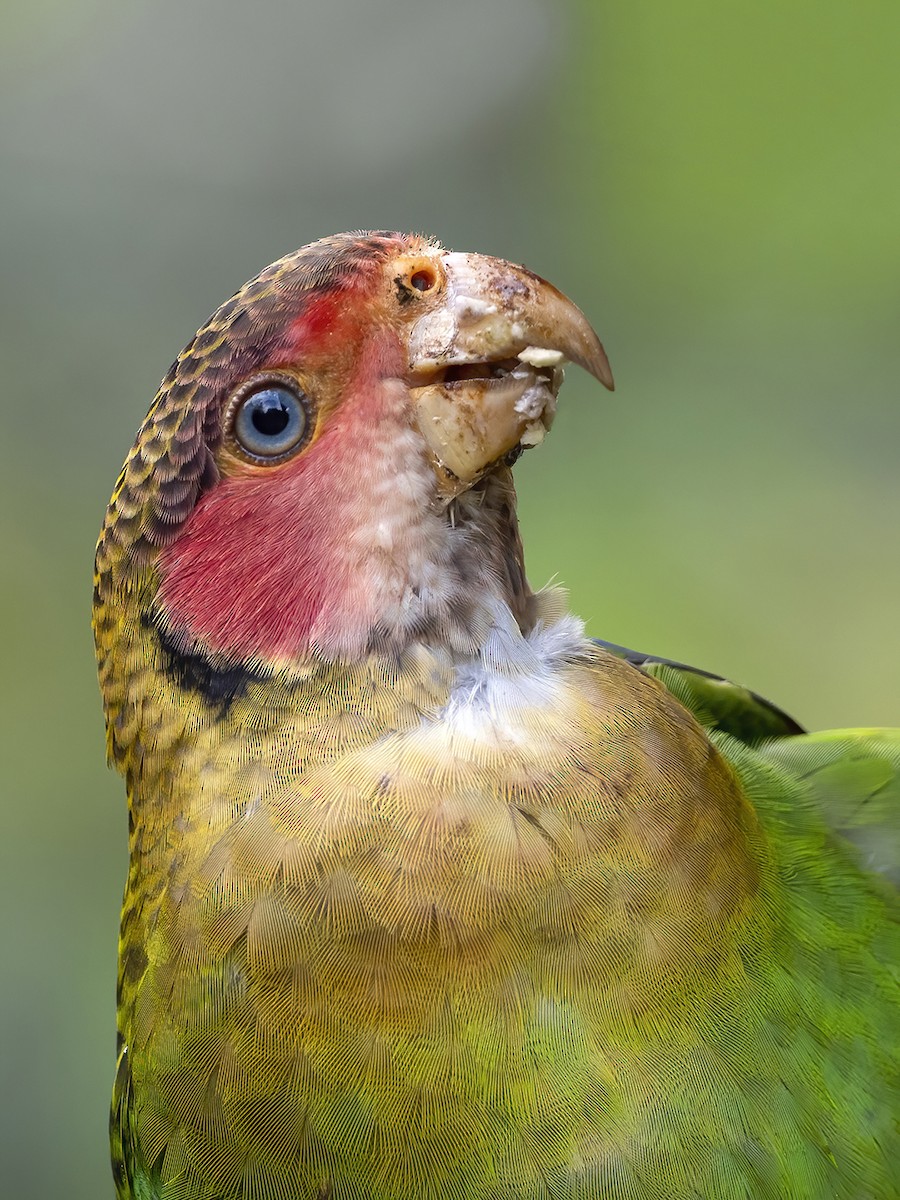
260	568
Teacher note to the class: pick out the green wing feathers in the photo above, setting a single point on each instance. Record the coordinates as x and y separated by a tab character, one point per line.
828	804
852	777
717	703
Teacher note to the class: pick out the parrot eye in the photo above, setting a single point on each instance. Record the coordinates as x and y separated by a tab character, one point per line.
269	418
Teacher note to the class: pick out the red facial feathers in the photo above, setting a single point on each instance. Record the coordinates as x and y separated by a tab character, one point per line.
261	568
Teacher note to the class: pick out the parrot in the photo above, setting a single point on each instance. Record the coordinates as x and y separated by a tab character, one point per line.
430	895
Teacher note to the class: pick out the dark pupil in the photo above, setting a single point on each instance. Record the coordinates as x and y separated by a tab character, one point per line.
270	416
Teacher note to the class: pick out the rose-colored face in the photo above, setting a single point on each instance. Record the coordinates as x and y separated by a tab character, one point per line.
296	479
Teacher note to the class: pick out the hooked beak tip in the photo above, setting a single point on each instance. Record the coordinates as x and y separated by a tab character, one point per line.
597	364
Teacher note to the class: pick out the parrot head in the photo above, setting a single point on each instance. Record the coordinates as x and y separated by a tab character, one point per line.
325	469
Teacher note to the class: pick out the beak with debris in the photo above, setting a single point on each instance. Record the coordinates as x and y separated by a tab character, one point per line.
486	365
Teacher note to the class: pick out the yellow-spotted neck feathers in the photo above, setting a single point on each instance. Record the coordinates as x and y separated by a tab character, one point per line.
540	803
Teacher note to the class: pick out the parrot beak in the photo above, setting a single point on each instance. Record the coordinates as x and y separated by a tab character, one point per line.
486	364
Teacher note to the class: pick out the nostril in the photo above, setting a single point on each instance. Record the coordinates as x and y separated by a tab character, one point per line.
423	280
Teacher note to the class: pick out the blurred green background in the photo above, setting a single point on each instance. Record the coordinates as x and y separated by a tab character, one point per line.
716	184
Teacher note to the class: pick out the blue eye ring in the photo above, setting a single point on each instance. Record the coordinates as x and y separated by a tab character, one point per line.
269	418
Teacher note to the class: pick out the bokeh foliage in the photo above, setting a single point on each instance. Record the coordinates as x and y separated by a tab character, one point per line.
716	183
